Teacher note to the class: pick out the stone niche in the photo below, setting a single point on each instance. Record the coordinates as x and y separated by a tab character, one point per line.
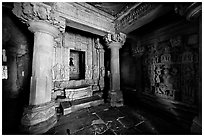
76	66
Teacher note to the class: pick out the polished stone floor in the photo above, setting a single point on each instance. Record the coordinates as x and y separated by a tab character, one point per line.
106	120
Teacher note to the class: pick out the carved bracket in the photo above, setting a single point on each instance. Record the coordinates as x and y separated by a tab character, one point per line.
117	37
35	11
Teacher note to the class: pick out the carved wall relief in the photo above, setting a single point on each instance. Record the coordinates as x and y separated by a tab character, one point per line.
170	71
134	15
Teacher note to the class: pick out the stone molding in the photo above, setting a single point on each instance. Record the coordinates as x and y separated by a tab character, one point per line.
44	27
134	14
117	38
36	11
189	10
35	114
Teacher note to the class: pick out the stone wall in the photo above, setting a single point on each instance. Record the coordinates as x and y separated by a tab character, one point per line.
167	70
17	44
170	65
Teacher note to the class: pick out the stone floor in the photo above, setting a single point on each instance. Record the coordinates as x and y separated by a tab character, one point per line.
106	120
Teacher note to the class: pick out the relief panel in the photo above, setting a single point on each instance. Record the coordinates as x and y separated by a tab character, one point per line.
170	71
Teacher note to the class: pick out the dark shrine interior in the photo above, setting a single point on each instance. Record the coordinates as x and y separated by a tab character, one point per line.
160	75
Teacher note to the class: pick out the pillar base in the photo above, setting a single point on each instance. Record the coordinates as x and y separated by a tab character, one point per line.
38	119
116	98
196	127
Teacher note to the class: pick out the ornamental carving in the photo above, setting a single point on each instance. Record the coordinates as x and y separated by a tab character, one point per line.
97	45
134	14
88	72
102	71
176	41
35	11
58	72
170	70
34	117
117	37
95	71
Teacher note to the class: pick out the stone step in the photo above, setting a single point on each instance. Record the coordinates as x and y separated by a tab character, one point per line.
71	106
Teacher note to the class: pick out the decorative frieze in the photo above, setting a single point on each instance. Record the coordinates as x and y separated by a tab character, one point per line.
36	11
135	14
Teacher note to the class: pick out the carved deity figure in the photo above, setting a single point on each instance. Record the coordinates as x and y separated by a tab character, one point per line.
166	87
158	73
167	79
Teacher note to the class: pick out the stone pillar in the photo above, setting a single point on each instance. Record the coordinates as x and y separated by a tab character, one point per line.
41	80
115	42
39	116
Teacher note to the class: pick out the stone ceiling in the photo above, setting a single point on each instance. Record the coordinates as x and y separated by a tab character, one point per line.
113	8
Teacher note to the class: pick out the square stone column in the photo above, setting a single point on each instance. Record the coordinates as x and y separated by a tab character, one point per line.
115	42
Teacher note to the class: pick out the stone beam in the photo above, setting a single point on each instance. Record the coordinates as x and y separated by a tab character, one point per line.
139	16
84	17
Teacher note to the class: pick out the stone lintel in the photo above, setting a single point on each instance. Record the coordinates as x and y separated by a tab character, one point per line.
78	15
85	27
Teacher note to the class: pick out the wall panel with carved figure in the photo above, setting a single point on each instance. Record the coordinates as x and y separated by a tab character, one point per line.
170	69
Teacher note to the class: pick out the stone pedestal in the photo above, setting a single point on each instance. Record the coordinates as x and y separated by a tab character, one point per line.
40	115
115	42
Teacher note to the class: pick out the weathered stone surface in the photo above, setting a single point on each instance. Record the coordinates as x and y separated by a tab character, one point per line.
71	106
110	114
77	123
78	93
146	128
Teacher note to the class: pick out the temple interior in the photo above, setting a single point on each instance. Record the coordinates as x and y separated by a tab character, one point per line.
101	68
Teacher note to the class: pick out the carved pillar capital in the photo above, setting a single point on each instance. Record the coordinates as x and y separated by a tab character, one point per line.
36	11
115	40
44	27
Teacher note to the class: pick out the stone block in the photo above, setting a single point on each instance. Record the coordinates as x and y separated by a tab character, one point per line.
78	93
